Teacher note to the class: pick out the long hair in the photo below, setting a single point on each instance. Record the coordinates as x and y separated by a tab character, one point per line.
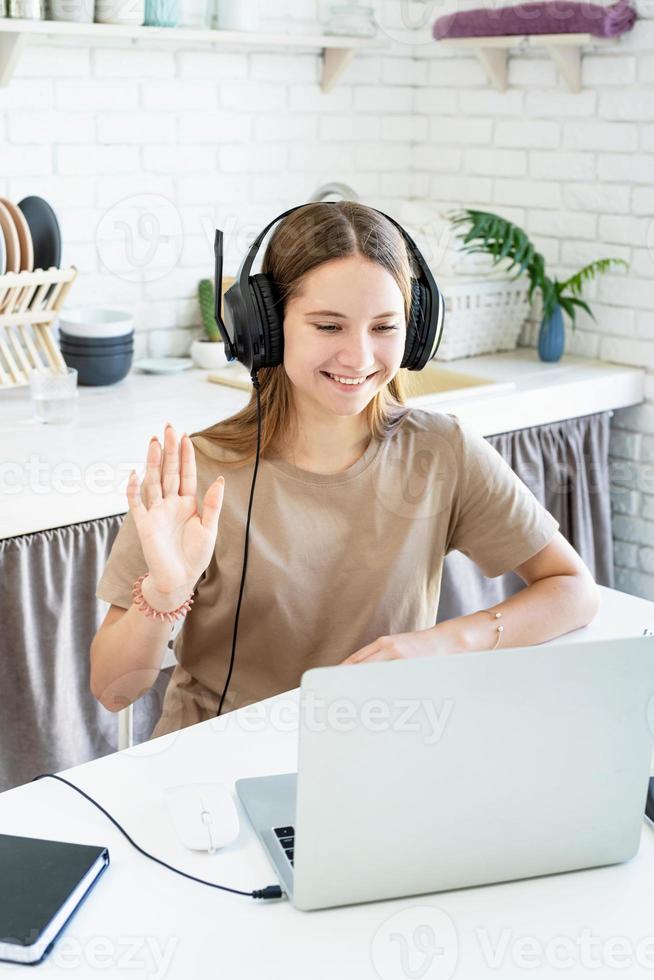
302	241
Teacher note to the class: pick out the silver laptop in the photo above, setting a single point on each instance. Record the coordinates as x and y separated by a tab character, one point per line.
428	774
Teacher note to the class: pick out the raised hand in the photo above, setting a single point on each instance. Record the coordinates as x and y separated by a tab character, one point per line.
177	540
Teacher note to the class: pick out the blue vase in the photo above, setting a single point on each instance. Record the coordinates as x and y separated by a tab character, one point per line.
551	336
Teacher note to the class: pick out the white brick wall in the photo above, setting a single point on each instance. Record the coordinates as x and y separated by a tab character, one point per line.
194	139
199	138
577	172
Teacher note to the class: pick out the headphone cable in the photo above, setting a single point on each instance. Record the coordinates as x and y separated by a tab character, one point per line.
270	891
255	382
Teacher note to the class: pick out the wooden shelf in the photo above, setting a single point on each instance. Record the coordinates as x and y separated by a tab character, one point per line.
563	49
337	50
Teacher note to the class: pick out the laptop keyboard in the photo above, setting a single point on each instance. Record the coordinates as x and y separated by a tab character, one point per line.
286	837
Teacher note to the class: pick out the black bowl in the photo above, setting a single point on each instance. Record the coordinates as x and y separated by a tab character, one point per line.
89	342
97	351
101	369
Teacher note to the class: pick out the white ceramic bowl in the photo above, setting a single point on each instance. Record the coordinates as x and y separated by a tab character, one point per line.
96	322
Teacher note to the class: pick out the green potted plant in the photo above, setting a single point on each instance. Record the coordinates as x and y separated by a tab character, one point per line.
208	352
504	241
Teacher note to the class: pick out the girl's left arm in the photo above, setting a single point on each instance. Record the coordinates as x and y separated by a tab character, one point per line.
561	595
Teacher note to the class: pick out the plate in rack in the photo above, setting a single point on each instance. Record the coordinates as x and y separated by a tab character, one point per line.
24	236
12	242
44	229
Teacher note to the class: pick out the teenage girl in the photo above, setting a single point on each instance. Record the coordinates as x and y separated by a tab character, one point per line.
357	501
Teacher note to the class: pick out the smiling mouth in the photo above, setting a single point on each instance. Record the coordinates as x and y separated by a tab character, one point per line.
351	383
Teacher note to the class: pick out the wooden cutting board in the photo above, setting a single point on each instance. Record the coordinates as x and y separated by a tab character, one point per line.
233	376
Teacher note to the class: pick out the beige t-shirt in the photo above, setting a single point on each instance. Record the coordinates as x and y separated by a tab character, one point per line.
335	560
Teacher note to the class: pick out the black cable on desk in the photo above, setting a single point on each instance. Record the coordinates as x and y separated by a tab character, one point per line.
270	891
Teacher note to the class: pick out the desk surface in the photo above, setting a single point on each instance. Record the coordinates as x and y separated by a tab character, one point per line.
144	922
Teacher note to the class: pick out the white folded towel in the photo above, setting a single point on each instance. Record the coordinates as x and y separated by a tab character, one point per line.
440	245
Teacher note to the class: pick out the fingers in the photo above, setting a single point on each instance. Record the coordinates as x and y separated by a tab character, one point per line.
170	468
188	478
134	497
152	481
212	504
360	655
165	473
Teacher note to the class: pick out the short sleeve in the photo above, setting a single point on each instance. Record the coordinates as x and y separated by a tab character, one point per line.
498	522
125	564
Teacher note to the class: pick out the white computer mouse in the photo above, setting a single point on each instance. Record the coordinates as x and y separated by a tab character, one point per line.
203	814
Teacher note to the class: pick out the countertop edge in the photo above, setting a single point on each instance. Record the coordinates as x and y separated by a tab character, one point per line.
621	386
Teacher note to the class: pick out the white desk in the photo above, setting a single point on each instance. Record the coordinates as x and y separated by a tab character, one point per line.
144	922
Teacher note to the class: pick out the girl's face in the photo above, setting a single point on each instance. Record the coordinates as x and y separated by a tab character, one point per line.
348	323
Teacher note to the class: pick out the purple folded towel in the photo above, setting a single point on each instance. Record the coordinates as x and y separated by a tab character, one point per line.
546	17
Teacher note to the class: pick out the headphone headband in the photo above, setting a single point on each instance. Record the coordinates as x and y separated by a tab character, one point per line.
245	309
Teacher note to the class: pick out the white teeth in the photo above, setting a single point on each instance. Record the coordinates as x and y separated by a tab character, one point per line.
348	381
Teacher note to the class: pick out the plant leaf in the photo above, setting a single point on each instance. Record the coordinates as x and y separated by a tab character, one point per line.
575	284
583	305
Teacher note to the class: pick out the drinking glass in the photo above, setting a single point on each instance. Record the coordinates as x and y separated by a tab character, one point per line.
54	394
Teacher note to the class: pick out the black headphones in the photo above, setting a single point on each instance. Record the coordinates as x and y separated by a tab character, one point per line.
253	326
253	334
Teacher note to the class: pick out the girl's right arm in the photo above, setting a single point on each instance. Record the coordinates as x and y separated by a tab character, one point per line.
177	543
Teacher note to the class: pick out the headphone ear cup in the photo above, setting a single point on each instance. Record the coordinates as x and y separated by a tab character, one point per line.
267	301
414	325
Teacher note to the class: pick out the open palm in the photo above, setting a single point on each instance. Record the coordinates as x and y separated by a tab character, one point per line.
177	540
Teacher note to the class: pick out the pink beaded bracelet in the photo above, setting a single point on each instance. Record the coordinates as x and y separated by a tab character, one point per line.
142	603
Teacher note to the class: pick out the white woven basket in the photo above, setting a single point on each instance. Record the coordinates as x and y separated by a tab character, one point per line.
482	315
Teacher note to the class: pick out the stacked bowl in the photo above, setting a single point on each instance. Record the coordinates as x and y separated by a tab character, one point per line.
98	343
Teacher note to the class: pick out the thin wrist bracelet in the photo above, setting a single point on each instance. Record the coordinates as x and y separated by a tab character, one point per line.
142	603
499	628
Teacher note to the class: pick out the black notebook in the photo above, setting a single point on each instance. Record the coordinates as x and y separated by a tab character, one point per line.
42	882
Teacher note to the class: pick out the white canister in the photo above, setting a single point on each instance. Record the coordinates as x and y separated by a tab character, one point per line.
236	15
195	13
27	9
120	12
78	11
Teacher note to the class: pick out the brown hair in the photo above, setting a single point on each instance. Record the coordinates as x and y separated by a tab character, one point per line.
302	241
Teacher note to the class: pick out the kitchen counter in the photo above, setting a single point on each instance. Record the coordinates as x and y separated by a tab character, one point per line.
55	475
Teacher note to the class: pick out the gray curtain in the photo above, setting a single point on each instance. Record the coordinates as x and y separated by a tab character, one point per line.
565	465
49	719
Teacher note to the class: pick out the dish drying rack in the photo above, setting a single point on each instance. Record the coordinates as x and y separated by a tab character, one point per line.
29	305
